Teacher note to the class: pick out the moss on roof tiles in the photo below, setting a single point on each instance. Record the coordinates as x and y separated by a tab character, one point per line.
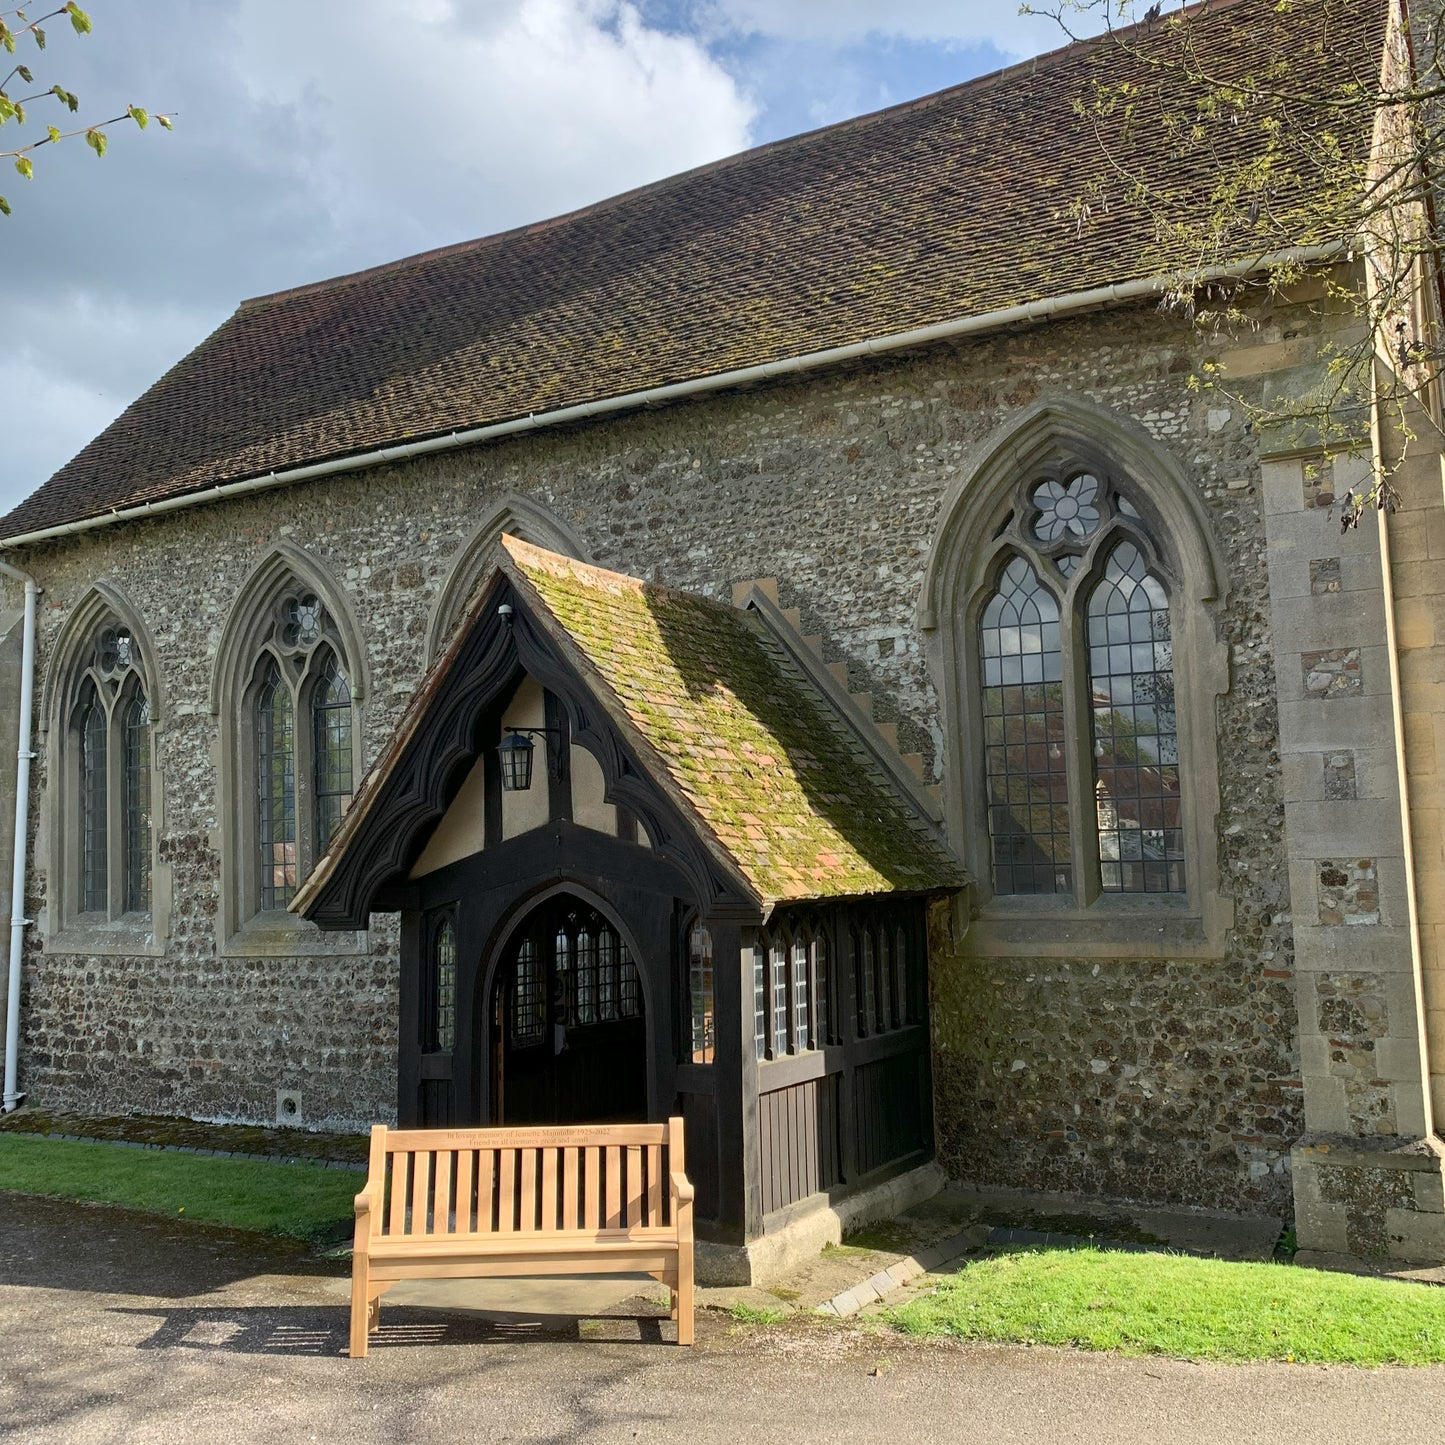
760	758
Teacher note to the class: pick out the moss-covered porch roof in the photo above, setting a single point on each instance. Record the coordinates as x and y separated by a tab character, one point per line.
776	783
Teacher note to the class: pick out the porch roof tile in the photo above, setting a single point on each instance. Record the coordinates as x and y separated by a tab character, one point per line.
776	779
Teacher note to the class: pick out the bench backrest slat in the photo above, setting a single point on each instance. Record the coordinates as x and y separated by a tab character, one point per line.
448	1182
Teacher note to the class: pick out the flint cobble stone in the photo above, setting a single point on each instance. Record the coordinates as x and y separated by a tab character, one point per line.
834	485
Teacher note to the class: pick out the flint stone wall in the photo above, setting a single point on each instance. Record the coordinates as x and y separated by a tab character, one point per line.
834	486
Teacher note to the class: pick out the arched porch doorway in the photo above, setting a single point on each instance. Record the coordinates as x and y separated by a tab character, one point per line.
567	1026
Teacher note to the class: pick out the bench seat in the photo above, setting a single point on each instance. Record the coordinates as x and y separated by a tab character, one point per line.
567	1201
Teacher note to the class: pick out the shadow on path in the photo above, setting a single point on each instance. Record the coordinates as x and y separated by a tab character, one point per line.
142	1254
322	1330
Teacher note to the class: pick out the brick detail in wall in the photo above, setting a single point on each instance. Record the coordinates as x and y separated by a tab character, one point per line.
1334	672
1349	892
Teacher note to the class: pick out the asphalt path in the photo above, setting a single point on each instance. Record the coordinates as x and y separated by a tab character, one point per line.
119	1327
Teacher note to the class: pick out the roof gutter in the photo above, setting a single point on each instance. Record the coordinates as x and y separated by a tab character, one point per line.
1025	314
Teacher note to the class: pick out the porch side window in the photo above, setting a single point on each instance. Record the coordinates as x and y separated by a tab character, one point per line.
760	999
439	995
822	1002
700	994
802	998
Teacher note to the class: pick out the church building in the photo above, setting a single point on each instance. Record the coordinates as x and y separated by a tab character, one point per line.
792	645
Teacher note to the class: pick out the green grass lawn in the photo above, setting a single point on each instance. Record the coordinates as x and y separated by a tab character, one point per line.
302	1201
1198	1309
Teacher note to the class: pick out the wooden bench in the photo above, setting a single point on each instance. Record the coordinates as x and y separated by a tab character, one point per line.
476	1203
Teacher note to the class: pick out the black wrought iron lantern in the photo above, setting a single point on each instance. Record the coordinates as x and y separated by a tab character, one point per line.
515	752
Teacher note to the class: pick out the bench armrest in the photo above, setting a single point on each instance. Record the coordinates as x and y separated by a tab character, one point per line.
682	1187
366	1204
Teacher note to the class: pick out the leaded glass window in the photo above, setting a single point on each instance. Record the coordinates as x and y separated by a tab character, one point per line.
587	978
1135	730
802	998
700	994
331	753
136	785
760	1000
1023	726
94	810
529	1007
276	788
107	781
444	986
903	970
607	977
303	744
778	970
1081	778
630	989
866	955
822	1003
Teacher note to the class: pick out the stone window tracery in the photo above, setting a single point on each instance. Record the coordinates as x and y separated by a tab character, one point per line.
1075	670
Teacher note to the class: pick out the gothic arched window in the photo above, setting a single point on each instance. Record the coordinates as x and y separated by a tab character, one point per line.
288	687
110	736
303	763
1072	607
1076	696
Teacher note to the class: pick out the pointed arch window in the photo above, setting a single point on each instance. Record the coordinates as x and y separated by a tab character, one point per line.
1076	698
302	728
109	783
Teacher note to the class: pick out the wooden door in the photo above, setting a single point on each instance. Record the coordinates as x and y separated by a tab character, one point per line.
568	1027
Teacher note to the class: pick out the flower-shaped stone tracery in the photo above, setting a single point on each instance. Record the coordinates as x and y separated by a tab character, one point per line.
1065	510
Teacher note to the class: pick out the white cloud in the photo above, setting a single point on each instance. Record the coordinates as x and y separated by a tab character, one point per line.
847	22
312	137
433	121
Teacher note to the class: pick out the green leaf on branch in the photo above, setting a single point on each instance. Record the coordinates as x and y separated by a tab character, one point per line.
53	131
7	39
25	166
4	206
78	18
96	140
23	71
165	122
138	115
19	112
66	97
7	107
39	35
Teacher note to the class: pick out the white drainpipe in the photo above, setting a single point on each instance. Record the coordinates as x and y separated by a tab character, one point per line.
18	921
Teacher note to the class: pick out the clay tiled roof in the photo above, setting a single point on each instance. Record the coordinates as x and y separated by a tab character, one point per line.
952	206
773	780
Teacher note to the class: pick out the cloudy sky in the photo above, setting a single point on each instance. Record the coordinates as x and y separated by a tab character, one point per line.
315	137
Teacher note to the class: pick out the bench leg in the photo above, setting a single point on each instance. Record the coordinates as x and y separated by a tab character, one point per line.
683	1300
363	1306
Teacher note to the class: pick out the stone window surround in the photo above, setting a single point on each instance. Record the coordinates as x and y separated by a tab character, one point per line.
66	931
472	562
241	931
1052	437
